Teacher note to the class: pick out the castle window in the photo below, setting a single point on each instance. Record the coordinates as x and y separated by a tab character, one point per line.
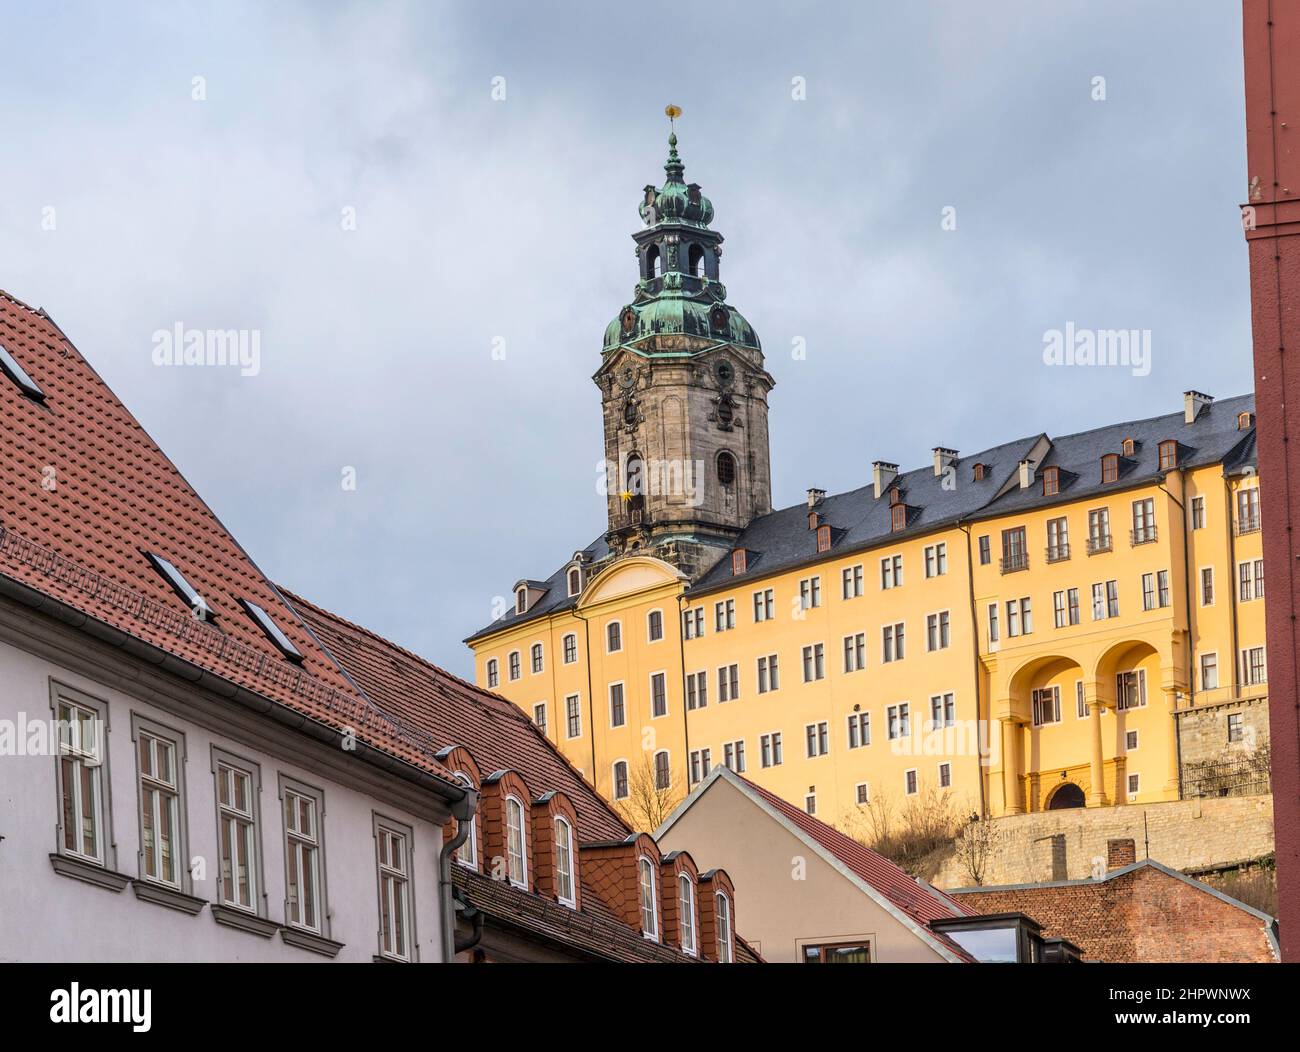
813	520
978	472
1109	467
521	601
738	562
726	468
823	538
1051	481
898	517
575	581
564	882
1127	447
1244	420
649	908
652	262
493	673
1168	455
635	476
695	261
516	840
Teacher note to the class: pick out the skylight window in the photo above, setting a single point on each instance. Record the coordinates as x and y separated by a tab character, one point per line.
19	376
181	587
272	630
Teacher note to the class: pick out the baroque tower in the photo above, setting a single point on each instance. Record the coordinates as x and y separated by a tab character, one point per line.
683	392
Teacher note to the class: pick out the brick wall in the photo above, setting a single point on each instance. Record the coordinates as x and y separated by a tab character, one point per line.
1145	915
1072	844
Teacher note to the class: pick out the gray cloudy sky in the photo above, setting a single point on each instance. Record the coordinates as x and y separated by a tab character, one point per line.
480	220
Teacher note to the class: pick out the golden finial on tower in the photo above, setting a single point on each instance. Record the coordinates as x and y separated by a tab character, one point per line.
672	112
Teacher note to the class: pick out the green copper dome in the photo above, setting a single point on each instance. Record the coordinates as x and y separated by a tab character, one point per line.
679	293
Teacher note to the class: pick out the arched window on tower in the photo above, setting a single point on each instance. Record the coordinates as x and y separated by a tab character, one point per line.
726	469
652	262
695	260
634	487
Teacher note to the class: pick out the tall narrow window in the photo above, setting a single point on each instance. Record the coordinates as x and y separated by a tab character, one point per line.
160	860
655	626
722	917
394	864
663	770
686	912
649	913
570	649
617	707
726	469
81	782
658	695
237	824
516	843
564	863
613	637
493	673
573	716
620	780
302	860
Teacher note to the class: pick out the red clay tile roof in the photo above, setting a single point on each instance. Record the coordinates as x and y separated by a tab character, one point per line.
86	491
922	904
455	712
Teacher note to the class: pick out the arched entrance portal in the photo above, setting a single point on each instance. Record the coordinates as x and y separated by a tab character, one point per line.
1066	795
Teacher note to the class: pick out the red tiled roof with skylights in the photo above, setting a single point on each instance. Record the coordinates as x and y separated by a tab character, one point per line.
86	492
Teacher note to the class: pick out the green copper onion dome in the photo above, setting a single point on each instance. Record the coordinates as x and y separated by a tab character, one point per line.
675	201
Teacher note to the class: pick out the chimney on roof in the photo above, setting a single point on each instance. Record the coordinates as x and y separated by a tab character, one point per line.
1026	474
882	474
943	459
815	497
1193	403
1120	853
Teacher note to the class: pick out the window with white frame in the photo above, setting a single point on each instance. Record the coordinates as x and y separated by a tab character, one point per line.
573	716
1130	741
1046	706
693	622
891	571
536	657
724	615
617	705
237	786
937	632
936	559
1250	577
1134	784
649	908
855	652
1209	671
770	749
1131	689
516	842
814	662
769	674
733	756
810	804
728	683
898	721
1236	727
620	780
810	593
1081	708
1198	513
1020	618
945	776
891	642
859	729
539	716
764	605
570	648
393	845
658	694
613	637
722	914
993	623
303	905
1207	585
701	764
493	673
162	855
654	625
697	690
1254	669
943	711
909	782
817	739
467	853
862	793
851	581
564	881
663	770
514	663
686	912
1162	588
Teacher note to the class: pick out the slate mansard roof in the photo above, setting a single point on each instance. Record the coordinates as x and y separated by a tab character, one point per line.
782	540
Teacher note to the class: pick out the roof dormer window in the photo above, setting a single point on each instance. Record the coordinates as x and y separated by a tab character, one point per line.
738	562
1168	455
1244	421
575	581
978	472
1127	447
1051	481
813	520
564	876
521	599
823	538
722	926
649	904
1110	467
516	843
898	517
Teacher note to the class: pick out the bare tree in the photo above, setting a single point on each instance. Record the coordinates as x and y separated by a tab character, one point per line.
976	846
912	836
648	804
